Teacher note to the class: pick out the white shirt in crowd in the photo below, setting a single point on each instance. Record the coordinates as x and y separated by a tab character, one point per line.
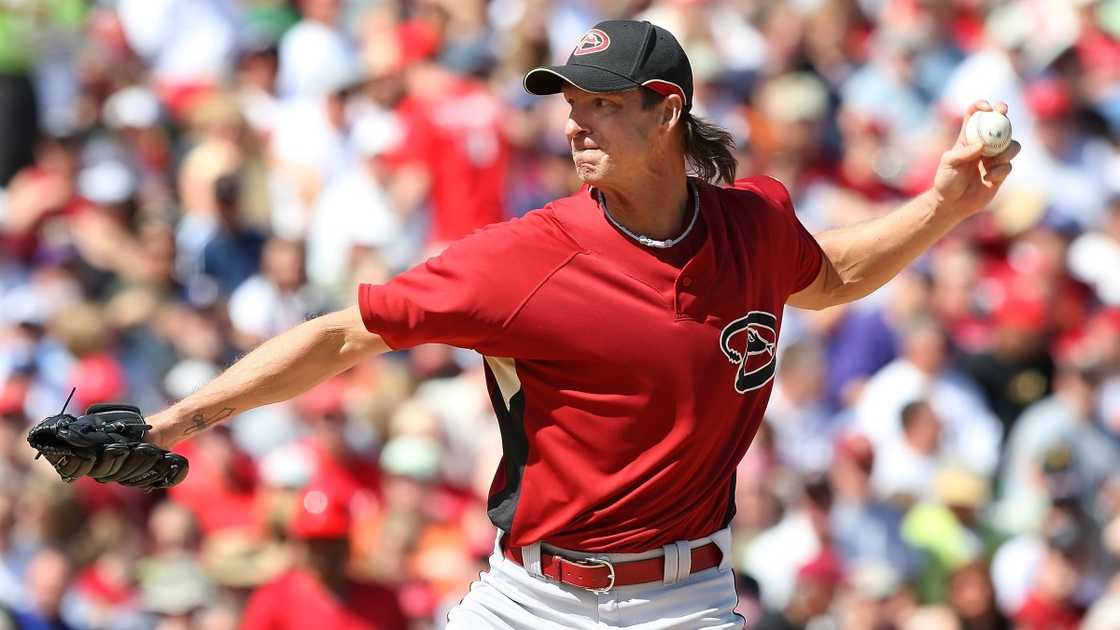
971	433
259	308
900	470
353	210
310	55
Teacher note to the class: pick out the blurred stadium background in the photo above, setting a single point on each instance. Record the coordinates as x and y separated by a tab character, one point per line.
181	179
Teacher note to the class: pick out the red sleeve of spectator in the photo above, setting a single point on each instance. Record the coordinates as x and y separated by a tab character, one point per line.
469	293
796	253
258	613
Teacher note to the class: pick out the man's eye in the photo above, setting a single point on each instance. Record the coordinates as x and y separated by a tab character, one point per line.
602	102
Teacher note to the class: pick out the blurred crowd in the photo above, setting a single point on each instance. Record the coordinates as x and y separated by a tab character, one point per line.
182	179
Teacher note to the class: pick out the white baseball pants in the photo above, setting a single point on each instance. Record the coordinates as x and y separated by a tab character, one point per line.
509	597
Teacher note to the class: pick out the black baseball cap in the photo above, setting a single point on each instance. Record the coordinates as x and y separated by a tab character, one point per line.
620	55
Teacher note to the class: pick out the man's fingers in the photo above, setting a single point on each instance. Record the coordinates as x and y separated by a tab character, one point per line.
994	176
964	154
1004	158
976	106
1000	107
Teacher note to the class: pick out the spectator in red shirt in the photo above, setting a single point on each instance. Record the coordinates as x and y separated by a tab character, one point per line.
223	487
455	133
318	592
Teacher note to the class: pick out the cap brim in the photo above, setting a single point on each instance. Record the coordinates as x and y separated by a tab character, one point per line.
551	79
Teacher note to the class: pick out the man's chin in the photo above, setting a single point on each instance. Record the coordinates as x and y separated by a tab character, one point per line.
589	174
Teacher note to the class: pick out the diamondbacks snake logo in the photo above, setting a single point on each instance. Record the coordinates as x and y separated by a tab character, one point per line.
750	342
593	41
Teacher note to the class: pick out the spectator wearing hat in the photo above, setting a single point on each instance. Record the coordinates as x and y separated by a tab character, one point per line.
135	116
1068	165
951	529
1068	417
789	131
173	586
186	45
1017	370
116	243
317	591
455	134
411	501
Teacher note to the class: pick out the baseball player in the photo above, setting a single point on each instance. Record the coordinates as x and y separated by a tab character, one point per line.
629	335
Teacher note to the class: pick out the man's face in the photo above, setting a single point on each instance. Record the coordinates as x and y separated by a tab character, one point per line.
612	138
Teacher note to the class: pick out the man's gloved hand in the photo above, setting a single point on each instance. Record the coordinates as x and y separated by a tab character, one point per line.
107	443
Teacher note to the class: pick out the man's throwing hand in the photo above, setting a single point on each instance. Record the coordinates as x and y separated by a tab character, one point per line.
966	180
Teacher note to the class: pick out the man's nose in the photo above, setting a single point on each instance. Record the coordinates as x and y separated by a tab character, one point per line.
573	129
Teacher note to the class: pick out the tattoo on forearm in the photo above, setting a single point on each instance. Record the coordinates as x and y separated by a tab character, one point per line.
200	421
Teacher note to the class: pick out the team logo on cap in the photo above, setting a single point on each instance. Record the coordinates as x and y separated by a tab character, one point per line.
750	342
593	41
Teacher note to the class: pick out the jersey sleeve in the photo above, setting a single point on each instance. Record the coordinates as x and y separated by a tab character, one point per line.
467	295
797	253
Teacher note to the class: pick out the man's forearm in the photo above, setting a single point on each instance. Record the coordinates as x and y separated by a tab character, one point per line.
864	256
280	368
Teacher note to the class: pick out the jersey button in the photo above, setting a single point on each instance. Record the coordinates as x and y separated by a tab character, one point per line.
686	281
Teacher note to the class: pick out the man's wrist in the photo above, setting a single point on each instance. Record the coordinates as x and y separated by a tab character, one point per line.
160	434
941	207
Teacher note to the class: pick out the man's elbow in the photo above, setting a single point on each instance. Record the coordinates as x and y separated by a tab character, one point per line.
348	333
815	302
829	289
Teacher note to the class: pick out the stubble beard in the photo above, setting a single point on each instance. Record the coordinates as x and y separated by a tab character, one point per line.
589	172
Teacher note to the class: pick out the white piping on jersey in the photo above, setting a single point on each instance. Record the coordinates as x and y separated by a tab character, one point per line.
645	240
505	372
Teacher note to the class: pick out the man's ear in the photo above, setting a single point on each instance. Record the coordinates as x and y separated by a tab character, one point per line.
672	110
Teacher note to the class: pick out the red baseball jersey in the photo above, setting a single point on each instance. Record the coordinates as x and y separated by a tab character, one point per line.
628	381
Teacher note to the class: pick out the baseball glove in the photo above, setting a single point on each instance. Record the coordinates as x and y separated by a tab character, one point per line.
107	443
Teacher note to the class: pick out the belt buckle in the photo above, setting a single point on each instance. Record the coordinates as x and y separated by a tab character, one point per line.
598	562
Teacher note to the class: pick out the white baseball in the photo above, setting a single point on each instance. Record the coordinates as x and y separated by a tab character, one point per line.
991	128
